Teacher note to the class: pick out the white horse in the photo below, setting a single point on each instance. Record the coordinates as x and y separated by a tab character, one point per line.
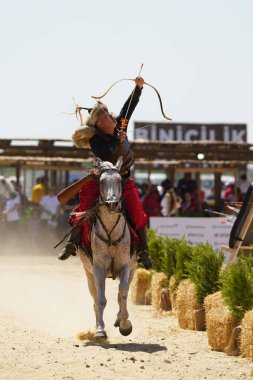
6	188
110	244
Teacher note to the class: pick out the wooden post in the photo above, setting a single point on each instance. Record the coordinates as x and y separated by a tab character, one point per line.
66	178
18	174
171	173
217	189
197	178
53	178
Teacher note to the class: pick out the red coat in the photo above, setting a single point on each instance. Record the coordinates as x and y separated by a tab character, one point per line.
90	192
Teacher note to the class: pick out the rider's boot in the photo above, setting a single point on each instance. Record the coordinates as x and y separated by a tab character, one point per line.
142	249
72	244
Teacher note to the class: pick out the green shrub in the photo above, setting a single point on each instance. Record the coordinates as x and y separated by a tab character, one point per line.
168	264
237	286
183	252
156	249
204	270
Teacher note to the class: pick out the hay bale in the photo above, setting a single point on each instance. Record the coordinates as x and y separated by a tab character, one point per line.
246	347
173	293
157	284
186	304
140	285
219	322
214	300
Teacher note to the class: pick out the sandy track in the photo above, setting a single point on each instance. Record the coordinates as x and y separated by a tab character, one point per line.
44	303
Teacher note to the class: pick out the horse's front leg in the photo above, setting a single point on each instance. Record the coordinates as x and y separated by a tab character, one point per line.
99	278
125	326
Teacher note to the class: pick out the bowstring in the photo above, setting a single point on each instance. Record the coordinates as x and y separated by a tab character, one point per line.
133	93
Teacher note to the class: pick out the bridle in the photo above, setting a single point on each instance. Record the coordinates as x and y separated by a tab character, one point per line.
109	241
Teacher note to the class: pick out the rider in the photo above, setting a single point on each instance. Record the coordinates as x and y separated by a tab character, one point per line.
108	142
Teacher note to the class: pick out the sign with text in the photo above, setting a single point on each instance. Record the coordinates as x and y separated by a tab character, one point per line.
190	132
215	231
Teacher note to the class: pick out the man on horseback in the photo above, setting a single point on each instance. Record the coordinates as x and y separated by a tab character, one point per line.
108	141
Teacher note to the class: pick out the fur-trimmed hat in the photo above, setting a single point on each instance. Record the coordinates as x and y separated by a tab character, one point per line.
95	113
82	135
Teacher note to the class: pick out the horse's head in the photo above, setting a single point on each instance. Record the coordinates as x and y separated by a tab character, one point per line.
109	183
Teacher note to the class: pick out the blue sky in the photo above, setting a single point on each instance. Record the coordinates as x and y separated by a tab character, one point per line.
197	53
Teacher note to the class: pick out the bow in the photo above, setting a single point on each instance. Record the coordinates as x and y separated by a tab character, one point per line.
133	80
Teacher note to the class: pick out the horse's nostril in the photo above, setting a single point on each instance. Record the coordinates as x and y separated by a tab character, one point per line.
111	205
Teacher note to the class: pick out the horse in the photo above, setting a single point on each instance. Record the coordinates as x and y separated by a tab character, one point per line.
6	188
110	244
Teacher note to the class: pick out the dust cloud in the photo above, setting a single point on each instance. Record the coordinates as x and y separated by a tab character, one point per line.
48	294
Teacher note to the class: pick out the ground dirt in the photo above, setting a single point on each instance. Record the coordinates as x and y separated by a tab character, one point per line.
44	304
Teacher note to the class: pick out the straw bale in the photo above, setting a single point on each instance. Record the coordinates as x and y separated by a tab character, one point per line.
157	284
214	300
246	347
219	322
173	293
186	304
140	285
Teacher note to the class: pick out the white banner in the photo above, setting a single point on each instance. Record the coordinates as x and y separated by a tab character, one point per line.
215	231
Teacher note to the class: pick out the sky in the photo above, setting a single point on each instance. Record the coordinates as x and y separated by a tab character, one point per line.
197	53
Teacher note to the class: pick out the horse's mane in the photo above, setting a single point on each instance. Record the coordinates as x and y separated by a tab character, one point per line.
101	166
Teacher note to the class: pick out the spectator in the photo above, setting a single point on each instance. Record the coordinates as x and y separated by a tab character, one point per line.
188	204
169	201
166	185
151	202
244	185
229	195
22	197
186	185
39	190
50	207
143	190
11	215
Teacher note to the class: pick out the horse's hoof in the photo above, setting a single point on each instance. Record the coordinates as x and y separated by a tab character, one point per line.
117	322
126	331
100	336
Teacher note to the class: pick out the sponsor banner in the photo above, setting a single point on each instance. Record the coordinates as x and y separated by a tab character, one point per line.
215	231
190	132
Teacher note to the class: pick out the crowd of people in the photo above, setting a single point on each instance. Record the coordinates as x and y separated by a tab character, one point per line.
172	201
43	219
186	199
35	223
